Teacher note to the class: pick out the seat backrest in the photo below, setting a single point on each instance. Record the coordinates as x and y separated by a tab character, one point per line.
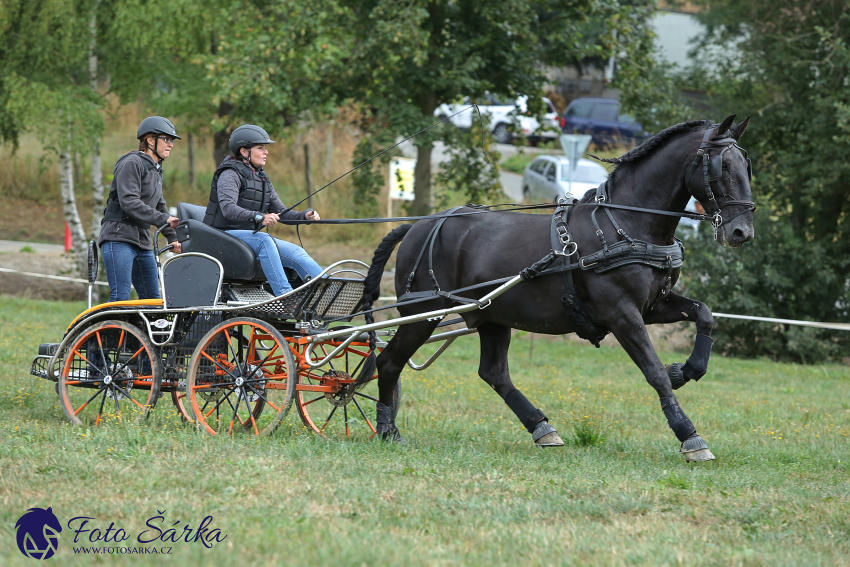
190	281
188	211
237	257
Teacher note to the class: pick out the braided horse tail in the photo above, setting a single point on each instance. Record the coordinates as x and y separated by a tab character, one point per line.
372	290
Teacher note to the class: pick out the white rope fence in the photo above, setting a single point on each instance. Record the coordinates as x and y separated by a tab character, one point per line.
838	326
49	277
816	324
819	325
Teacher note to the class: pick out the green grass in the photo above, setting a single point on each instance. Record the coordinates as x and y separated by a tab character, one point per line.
469	489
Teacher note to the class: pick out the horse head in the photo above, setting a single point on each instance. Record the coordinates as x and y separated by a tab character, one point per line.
719	178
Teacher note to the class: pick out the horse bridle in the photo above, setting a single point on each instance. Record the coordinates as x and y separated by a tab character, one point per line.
712	171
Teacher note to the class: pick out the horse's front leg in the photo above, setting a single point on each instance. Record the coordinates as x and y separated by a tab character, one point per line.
675	308
632	335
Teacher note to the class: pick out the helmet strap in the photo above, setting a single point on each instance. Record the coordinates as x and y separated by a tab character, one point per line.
154	149
248	159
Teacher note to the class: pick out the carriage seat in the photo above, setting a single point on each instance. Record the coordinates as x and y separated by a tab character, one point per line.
239	261
237	258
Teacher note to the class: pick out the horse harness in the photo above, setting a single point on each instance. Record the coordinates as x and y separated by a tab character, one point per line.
712	170
621	253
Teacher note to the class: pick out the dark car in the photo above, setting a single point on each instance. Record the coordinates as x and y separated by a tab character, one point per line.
601	118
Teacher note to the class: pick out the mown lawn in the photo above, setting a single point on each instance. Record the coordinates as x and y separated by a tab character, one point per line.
470	488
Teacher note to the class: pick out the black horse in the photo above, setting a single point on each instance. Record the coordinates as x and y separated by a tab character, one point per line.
660	174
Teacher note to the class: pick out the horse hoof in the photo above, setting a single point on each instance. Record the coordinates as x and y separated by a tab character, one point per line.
695	449
698	456
677	376
545	436
391	436
550	440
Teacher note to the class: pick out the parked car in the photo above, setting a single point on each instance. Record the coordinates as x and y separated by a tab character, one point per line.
547	177
602	119
501	113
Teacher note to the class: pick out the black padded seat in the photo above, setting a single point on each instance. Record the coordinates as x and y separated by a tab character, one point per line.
236	256
188	211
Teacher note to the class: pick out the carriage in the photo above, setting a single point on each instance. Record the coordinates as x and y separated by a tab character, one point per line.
229	354
225	348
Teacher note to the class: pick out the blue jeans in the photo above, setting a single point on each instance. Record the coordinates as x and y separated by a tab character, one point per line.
125	264
274	255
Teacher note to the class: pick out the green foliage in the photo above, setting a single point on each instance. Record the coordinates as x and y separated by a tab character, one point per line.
780	274
44	83
408	58
472	168
517	162
589	428
792	76
649	89
275	61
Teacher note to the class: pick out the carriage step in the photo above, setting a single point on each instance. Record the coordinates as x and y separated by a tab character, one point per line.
250	294
39	368
47	349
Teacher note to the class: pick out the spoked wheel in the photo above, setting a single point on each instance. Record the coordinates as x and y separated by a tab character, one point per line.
181	403
329	399
111	370
240	367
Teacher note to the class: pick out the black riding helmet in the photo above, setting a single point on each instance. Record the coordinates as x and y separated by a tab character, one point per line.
156	125
248	136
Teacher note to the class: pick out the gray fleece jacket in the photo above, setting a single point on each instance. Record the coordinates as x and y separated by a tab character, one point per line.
140	195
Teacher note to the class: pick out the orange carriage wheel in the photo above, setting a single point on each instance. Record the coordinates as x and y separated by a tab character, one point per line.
111	371
330	400
240	368
184	410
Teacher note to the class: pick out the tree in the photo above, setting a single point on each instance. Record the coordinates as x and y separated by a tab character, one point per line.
410	57
790	72
46	87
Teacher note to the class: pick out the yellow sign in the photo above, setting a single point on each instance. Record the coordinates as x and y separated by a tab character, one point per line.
401	178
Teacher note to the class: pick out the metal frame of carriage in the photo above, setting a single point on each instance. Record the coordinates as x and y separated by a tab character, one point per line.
225	350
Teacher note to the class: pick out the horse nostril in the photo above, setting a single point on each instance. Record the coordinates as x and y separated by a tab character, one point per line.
738	234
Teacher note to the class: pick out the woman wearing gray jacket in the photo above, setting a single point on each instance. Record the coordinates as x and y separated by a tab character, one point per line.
136	203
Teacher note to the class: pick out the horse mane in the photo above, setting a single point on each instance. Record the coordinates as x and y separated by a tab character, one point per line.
653	143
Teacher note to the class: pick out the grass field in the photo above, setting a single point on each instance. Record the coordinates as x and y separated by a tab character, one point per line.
469	488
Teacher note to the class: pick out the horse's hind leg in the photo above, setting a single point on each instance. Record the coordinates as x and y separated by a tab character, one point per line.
493	369
390	363
675	308
632	335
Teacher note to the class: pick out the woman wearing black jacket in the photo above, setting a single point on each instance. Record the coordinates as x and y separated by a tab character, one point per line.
135	204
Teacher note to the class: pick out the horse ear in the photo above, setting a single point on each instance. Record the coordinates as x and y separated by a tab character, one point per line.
724	126
739	129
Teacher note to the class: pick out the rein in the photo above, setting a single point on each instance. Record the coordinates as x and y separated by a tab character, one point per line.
488	209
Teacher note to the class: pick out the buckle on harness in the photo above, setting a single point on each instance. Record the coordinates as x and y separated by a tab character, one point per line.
717	220
563	235
564	252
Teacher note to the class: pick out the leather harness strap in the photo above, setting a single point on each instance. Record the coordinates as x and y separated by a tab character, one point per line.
429	244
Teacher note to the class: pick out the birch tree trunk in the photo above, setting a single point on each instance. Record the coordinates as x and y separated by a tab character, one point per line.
96	169
69	207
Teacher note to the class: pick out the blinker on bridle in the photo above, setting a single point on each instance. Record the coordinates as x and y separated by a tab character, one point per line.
712	169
